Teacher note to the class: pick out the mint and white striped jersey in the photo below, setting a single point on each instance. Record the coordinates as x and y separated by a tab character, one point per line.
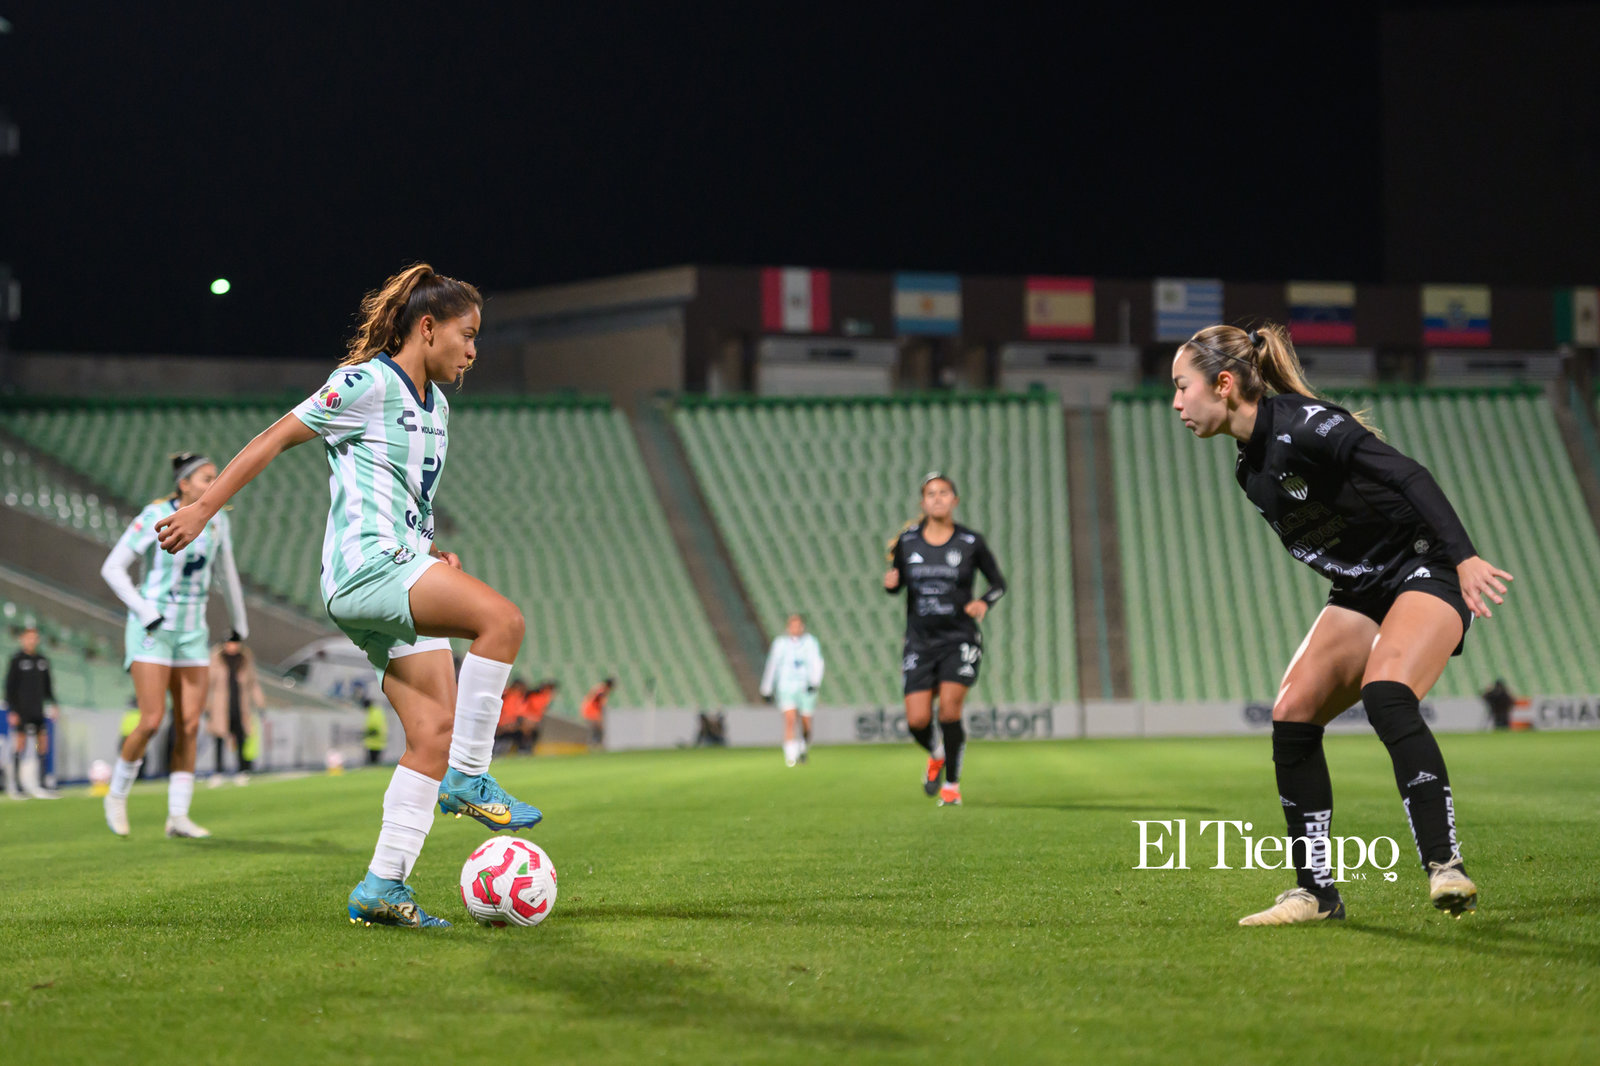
177	585
386	448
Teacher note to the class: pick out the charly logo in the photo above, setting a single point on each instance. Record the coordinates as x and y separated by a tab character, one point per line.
1294	485
1343	857
952	558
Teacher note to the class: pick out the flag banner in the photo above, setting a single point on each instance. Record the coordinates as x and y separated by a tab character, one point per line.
927	304
1060	308
1578	317
1455	316
795	300
1184	306
1322	312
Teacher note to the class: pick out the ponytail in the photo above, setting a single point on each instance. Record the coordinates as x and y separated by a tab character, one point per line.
1261	360
389	313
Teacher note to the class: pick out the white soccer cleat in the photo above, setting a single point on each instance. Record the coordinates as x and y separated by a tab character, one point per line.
1450	888
216	781
1295	905
30	781
181	826
117	814
241	778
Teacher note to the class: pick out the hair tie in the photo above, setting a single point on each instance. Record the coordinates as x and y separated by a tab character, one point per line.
1255	339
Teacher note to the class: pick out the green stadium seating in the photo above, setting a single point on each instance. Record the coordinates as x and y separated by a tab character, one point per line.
1499	457
550	504
807	492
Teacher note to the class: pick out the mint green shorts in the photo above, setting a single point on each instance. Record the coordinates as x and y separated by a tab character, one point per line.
373	608
165	647
797	699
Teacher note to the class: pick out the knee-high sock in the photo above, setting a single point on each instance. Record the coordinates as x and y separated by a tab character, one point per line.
1393	709
407	817
955	746
478	692
180	792
1306	793
124	775
924	736
222	751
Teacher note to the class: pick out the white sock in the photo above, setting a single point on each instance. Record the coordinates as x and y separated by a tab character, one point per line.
791	750
478	692
123	777
407	817
180	790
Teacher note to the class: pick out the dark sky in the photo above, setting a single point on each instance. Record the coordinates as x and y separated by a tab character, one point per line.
307	151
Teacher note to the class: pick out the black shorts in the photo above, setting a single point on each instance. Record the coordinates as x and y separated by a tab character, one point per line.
29	721
924	666
1436	577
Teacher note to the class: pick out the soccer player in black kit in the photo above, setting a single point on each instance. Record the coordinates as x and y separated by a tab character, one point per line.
1407	583
934	561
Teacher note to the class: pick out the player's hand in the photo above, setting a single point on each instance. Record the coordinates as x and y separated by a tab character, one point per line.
976	609
53	713
891	580
1481	580
450	559
178	530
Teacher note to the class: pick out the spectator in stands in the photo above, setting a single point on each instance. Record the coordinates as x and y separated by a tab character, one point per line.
376	735
28	691
539	700
594	710
233	699
513	706
1500	701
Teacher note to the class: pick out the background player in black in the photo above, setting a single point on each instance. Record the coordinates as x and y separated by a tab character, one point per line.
1406	584
934	561
28	690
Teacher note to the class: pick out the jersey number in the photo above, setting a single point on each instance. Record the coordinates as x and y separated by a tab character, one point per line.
194	566
971	653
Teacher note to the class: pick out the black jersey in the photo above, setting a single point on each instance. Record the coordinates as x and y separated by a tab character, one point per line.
28	686
938	583
1343	502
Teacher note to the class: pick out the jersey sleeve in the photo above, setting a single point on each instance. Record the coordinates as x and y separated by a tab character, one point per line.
769	674
1325	435
141	533
897	561
984	560
341	408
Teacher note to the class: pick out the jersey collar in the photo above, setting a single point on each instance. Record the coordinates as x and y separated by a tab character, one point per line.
1255	450
426	405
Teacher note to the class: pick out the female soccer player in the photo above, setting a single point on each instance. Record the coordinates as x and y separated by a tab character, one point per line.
383	418
168	644
1407	583
791	678
934	560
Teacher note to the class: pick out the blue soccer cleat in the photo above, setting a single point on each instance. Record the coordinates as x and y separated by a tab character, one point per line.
480	796
380	901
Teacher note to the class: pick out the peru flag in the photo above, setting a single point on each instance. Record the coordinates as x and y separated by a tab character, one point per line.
795	300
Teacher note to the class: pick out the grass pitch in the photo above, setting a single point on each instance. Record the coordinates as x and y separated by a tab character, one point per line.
716	907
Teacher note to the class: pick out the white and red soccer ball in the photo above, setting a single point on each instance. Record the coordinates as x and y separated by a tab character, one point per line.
508	881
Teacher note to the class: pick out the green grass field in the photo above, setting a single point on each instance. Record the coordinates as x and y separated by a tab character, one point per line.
716	907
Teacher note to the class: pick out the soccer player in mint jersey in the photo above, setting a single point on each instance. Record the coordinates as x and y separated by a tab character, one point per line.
168	642
384	420
791	678
935	561
1407	583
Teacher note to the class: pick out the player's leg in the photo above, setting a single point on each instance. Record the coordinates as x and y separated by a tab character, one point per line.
919	720
12	757
188	688
1419	634
32	763
808	707
1322	681
791	750
422	688
150	681
952	701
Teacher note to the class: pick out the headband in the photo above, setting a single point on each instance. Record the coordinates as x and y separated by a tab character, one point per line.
190	467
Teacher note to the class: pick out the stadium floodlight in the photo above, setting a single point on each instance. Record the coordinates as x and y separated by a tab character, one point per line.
5	27
220	286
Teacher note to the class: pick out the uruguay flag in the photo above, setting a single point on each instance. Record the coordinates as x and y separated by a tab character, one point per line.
927	304
1184	306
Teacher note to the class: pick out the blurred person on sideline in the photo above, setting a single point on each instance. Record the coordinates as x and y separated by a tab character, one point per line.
513	707
536	707
594	710
791	678
28	691
1500	700
375	737
233	700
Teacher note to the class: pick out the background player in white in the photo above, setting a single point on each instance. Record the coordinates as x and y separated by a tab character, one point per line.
168	643
793	673
383	420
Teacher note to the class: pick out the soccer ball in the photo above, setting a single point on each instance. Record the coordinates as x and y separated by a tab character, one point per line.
508	880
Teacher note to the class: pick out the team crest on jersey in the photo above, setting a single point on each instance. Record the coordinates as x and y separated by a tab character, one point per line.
1295	485
952	558
329	398
404	555
1420	547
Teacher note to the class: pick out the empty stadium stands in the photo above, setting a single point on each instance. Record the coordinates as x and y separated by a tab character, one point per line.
548	501
806	492
1498	454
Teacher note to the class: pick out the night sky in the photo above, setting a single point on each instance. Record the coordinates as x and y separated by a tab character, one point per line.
307	151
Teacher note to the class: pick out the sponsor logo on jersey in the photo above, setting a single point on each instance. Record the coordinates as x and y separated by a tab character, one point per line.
909	663
1310	410
328	398
1295	485
1421	571
1284	437
969	538
916	557
1327	426
952	558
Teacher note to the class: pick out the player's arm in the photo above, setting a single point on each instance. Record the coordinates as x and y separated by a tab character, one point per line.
895	579
179	529
984	561
117	569
817	664
12	675
769	673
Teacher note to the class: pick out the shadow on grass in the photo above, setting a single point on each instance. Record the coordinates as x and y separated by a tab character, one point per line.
275	847
1487	937
1123	808
672	994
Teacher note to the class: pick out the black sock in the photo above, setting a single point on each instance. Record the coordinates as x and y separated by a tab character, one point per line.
923	735
1419	772
222	750
1306	793
955	745
246	765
